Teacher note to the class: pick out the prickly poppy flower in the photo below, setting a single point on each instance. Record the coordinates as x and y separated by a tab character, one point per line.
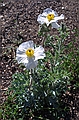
50	16
27	54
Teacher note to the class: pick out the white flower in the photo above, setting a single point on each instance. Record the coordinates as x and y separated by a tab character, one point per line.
50	16
27	54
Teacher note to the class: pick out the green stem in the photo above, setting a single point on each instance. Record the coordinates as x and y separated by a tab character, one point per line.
30	75
59	47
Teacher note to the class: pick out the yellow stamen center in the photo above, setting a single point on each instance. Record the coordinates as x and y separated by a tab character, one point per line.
29	52
50	17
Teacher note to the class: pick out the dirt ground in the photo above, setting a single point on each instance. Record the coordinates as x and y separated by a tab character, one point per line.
18	23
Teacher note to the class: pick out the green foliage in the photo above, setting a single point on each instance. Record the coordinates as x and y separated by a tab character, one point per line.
40	100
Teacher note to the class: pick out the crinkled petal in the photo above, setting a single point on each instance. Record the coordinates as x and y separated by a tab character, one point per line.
39	53
55	13
50	11
31	64
21	56
22	59
26	45
59	17
41	19
20	52
44	14
52	21
47	10
55	25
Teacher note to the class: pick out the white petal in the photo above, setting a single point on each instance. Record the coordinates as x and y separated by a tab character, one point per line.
20	51
21	56
55	13
44	14
59	17
39	53
31	64
22	59
26	45
50	11
47	10
41	19
55	25
48	23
